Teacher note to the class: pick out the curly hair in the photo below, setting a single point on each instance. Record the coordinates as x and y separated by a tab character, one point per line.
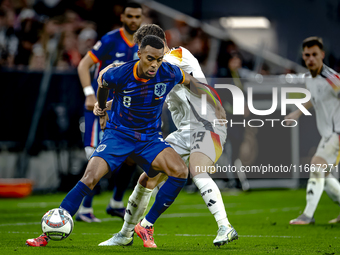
149	29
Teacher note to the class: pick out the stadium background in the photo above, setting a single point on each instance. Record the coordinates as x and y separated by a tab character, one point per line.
41	136
42	124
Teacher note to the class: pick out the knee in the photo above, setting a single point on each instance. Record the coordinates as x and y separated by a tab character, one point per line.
316	172
179	171
146	182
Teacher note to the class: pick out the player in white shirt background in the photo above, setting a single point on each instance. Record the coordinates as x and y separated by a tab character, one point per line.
324	85
196	140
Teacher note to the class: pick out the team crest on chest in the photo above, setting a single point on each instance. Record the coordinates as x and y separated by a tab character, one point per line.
160	89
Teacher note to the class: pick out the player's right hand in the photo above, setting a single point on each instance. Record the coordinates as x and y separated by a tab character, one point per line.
102	120
100	112
90	101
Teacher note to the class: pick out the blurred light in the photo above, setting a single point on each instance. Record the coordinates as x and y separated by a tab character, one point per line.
82	124
289	78
282	78
301	78
245	22
259	78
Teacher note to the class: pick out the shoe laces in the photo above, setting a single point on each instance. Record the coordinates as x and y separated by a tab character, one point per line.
222	230
42	238
149	230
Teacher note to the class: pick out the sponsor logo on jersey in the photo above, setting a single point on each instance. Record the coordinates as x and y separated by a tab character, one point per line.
128	91
160	89
97	45
101	148
119	55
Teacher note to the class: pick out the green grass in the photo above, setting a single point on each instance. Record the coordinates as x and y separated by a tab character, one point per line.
260	217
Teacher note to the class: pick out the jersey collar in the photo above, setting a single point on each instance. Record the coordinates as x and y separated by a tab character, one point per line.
126	40
135	73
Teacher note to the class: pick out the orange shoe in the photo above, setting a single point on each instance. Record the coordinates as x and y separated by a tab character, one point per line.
39	241
146	234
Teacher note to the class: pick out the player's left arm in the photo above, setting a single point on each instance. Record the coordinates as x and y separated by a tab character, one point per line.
199	88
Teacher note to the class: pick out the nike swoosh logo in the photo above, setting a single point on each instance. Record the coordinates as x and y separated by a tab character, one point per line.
166	205
119	55
128	91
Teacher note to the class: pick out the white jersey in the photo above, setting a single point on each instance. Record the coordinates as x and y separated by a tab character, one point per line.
325	92
185	106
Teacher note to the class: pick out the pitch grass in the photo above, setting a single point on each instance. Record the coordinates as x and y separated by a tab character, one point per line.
260	217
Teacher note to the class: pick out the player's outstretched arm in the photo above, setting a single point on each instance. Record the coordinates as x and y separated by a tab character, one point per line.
198	88
85	80
295	115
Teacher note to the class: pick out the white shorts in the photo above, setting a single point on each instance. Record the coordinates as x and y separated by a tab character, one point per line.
186	141
328	149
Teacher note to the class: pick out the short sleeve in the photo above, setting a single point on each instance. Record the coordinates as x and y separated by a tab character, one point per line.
110	78
101	48
179	75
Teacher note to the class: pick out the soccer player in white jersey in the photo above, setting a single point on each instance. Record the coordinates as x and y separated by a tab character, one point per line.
324	85
197	141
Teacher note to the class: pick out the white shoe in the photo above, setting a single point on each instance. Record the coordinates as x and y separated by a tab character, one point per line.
118	239
225	234
302	220
336	220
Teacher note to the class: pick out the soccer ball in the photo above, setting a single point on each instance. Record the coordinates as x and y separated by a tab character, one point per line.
57	224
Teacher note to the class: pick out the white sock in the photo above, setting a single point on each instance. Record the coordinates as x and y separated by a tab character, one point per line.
315	188
89	151
332	188
84	210
116	204
212	197
145	223
138	202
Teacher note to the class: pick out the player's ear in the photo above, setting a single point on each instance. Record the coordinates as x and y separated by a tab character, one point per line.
122	16
323	54
139	54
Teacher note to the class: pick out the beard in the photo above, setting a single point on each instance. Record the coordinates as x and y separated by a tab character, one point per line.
127	29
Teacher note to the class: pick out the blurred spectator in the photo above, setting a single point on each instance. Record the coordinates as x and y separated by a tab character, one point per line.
86	40
198	44
178	35
69	50
8	40
150	16
28	29
6	5
51	8
37	60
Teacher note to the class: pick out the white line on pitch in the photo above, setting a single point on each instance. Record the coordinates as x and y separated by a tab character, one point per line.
186	235
179	215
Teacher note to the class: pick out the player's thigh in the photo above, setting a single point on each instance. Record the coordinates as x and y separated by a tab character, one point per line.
200	163
169	162
151	183
156	155
114	148
207	143
95	170
179	140
328	151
